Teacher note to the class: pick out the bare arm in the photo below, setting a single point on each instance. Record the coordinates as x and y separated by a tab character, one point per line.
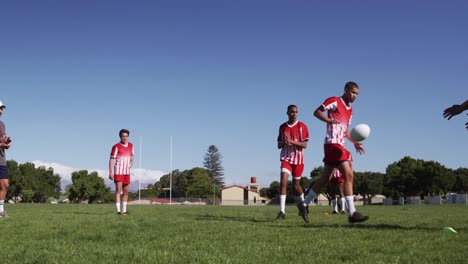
280	145
455	110
111	168
288	141
5	142
281	142
319	113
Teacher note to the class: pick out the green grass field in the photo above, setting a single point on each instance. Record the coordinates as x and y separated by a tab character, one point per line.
43	233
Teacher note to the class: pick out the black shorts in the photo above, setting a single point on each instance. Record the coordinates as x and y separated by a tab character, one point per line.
4	172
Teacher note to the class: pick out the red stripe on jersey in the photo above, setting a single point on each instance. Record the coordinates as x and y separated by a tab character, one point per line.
297	132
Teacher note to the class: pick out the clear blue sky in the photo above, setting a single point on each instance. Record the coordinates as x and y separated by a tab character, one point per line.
73	73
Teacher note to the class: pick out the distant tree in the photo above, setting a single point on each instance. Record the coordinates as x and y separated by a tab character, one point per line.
27	196
401	179
461	180
411	177
213	163
368	184
88	187
316	173
274	190
42	183
179	184
195	182
435	179
14	191
264	192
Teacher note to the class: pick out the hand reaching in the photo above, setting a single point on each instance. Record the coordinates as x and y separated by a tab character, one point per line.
453	111
359	148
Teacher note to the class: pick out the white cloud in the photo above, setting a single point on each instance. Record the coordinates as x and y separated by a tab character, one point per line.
64	171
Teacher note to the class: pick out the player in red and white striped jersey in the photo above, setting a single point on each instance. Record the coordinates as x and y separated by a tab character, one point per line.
120	163
336	186
292	140
336	155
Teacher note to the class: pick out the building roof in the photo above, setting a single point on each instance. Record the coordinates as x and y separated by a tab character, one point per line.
238	186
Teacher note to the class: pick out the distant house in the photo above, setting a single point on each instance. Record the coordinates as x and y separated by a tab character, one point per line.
240	195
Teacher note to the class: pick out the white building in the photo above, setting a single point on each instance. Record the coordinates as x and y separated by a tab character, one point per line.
240	195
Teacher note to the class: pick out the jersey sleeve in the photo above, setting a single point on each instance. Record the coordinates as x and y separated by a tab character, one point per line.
114	152
330	103
305	133
280	134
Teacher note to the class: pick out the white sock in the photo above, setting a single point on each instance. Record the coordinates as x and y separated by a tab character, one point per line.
124	207
2	202
301	197
343	204
333	204
283	203
117	205
350	204
310	196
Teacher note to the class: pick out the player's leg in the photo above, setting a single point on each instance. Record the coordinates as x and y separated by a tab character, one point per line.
297	175
319	184
126	188
283	188
333	192
118	191
286	170
4	184
313	191
342	197
346	170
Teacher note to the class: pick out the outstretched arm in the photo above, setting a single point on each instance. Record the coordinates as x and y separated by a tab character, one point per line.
455	110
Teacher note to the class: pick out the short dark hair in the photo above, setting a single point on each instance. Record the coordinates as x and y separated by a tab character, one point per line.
123	131
291	106
350	85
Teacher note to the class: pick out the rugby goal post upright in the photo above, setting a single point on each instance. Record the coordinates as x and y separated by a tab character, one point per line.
170	177
139	174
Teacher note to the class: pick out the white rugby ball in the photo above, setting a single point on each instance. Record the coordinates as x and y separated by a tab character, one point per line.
360	132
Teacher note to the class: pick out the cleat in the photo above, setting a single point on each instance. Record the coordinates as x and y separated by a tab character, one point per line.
125	213
119	213
357	217
334	212
303	211
3	214
343	212
281	216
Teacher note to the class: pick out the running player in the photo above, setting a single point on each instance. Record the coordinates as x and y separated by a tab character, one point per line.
292	140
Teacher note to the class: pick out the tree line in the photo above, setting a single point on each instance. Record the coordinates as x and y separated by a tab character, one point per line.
403	178
41	184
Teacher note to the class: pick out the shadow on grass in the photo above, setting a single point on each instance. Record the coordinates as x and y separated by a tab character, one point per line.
254	219
84	213
366	225
369	225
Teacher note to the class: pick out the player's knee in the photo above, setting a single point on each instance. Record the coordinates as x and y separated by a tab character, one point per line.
349	177
5	185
